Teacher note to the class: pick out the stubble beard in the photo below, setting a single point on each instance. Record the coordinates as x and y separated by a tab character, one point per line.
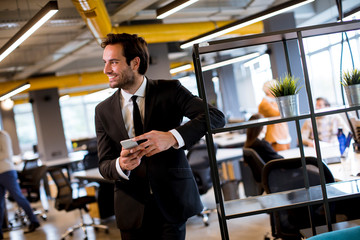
125	81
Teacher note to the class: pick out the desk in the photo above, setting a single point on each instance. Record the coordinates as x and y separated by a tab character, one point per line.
228	154
64	162
105	192
91	175
67	162
346	170
229	139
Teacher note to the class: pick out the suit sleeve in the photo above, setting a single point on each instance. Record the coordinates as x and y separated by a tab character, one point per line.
193	108
107	156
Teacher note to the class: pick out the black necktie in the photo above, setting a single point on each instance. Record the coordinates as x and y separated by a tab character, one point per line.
139	129
140	171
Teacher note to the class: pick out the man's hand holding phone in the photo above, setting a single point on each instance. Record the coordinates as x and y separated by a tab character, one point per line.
128	143
131	154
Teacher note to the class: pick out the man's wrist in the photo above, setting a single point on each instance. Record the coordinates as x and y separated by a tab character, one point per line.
123	173
179	140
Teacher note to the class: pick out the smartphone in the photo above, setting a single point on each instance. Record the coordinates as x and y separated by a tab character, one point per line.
128	143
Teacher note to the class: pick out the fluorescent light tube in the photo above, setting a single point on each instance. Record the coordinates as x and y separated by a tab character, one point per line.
14	92
230	61
30	27
173	7
243	23
181	68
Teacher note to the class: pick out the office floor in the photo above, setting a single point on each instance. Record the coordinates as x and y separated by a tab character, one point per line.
248	228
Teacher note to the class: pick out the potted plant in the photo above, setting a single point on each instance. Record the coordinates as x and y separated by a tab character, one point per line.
351	83
285	90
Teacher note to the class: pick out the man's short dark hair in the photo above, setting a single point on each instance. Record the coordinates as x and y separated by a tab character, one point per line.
133	46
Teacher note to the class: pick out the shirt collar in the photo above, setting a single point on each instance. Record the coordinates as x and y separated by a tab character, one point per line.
140	92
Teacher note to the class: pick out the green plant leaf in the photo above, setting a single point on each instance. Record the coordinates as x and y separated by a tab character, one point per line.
351	77
288	85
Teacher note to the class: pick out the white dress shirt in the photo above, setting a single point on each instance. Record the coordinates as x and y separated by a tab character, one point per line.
127	110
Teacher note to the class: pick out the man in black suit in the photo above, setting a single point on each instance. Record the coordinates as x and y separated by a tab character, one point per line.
155	191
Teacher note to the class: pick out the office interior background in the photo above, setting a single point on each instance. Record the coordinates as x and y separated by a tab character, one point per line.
63	61
65	50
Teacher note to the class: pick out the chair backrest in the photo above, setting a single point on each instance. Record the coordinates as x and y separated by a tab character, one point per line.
91	160
255	163
30	163
64	191
199	162
30	179
287	174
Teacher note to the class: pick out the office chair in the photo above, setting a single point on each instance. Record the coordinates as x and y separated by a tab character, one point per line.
65	201
199	162
287	174
91	159
252	179
30	181
30	163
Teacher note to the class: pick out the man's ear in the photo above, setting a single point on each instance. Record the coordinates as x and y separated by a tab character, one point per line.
135	63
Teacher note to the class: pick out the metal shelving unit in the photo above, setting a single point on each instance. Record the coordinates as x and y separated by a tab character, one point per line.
324	193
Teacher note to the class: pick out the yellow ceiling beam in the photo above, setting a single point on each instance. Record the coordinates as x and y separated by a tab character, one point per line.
61	82
156	33
96	17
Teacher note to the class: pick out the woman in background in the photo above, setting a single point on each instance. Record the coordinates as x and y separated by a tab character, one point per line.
8	182
276	134
262	147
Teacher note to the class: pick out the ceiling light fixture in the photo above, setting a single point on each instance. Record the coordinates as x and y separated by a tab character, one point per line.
29	28
7	104
276	10
181	68
230	61
14	91
173	7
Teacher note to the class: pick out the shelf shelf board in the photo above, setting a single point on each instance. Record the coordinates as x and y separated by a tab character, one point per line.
258	122
290	199
335	110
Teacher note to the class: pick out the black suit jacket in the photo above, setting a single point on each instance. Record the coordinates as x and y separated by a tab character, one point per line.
168	173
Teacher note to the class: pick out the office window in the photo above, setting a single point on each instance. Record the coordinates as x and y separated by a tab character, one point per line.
75	120
189	82
78	114
25	127
324	53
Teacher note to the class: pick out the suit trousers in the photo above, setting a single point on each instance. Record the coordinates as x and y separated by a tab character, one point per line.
155	226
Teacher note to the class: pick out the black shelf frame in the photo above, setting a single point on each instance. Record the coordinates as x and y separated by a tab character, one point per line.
297	34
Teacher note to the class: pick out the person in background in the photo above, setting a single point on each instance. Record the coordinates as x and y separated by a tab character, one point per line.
9	182
155	191
262	147
276	134
327	126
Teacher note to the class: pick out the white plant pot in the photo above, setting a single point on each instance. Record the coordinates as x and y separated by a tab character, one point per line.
288	105
353	94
